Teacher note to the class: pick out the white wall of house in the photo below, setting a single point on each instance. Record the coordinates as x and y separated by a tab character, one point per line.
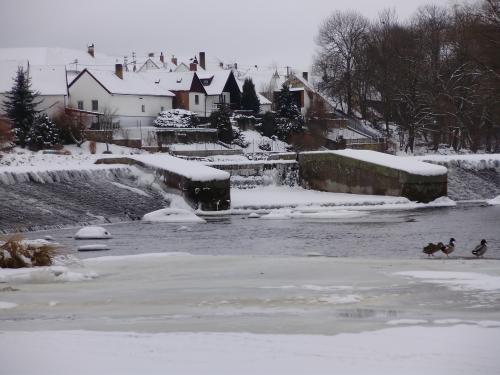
50	104
127	108
213	100
199	108
265	108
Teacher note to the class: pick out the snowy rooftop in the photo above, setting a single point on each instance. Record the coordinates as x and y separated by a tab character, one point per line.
55	56
175	81
48	80
391	161
131	84
263	77
218	81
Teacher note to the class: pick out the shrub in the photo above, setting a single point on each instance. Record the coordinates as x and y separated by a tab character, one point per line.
6	135
93	147
239	138
43	134
71	126
16	252
176	118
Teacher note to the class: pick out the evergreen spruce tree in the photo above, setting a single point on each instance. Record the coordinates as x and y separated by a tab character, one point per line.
289	119
20	106
249	99
221	121
43	134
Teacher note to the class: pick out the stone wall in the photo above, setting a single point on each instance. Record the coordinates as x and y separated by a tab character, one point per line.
186	136
336	173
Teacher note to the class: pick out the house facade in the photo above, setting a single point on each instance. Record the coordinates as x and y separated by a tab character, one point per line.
131	100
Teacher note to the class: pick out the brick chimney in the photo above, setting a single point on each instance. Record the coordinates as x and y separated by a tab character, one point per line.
174	60
162	58
305	75
235	66
202	60
193	67
90	50
119	70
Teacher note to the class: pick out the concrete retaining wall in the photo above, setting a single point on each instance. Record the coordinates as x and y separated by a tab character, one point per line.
214	195
335	173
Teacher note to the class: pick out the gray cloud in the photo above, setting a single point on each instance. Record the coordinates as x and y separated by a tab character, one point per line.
250	32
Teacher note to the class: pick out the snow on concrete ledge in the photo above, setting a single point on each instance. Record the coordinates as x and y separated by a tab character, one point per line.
395	162
188	169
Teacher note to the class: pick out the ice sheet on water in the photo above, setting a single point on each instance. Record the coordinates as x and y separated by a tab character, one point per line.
457	280
172	215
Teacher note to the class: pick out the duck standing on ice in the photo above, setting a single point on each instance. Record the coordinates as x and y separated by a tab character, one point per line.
432	248
448	249
480	249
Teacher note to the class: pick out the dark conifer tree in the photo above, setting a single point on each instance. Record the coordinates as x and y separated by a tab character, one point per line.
289	119
20	106
221	121
249	99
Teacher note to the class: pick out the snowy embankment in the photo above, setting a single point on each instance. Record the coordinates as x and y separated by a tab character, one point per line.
410	350
470	161
284	197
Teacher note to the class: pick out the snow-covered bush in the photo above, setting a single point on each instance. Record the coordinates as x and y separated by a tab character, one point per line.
239	138
265	146
43	134
176	118
16	252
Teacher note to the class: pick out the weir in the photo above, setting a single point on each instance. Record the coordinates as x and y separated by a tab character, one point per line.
37	200
370	172
204	188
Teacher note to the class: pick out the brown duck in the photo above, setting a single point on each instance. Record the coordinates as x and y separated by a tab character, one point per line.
432	248
448	249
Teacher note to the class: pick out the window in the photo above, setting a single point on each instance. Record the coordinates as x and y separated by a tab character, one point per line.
95	105
196	99
143	108
80	104
162	109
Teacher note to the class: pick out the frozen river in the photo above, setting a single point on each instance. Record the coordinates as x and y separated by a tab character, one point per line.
372	306
379	234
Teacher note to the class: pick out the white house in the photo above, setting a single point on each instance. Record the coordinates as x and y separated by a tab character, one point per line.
129	97
48	81
221	88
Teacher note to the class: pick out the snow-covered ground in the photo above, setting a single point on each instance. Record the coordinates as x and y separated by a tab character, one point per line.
469	161
461	349
278	197
182	314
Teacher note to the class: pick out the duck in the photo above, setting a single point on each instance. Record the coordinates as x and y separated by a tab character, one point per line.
448	249
432	248
480	249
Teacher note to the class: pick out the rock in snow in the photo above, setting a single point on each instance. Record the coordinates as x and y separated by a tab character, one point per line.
93	233
172	215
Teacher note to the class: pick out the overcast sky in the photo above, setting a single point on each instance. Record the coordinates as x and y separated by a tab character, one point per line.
246	31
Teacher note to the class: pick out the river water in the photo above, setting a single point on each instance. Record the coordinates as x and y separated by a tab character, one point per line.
380	234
